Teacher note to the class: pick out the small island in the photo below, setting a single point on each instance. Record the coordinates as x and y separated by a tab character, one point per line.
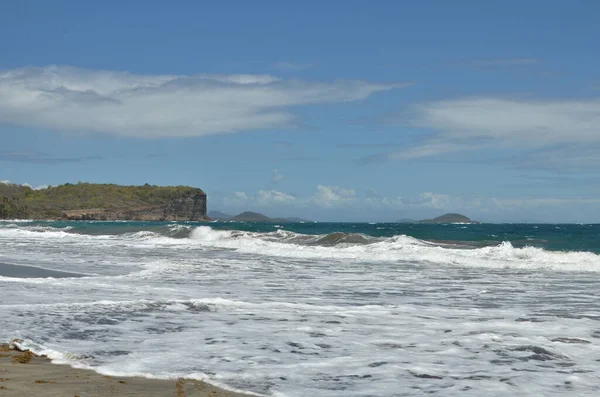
90	201
449	218
249	216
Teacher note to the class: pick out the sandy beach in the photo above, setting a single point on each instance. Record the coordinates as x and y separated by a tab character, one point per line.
24	374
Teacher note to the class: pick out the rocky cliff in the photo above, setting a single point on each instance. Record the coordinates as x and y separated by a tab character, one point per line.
85	201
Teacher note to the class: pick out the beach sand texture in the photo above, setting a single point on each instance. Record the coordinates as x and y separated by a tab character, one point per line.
23	374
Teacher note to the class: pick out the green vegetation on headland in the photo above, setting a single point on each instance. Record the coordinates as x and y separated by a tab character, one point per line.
11	208
102	202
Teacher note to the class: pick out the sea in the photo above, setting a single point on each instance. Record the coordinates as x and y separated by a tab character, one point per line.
313	309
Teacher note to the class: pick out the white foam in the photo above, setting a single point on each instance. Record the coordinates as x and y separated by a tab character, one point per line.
72	360
282	243
276	314
403	248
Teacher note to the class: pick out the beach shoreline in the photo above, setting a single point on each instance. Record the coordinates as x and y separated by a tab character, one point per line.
25	374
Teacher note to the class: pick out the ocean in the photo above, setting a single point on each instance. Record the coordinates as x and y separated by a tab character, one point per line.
313	309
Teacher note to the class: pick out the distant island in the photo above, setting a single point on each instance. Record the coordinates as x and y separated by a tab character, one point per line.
446	218
449	218
249	216
89	201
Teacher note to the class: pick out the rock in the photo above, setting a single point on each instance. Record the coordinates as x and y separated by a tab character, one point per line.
570	340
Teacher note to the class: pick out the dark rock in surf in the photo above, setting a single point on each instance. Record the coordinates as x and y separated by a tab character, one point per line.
570	340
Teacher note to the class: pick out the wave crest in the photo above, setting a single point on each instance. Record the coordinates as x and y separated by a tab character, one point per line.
398	248
337	246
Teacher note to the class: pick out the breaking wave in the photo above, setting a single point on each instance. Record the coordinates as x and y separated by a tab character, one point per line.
335	246
397	248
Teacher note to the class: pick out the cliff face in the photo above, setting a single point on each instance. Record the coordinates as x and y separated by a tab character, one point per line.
192	208
108	202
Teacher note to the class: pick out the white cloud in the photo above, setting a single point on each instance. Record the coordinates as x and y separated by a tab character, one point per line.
240	195
5	182
327	197
427	199
149	106
260	200
277	176
235	200
266	198
476	123
429	149
513	122
333	196
422	201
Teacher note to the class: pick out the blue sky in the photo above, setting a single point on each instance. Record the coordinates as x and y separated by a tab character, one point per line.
351	110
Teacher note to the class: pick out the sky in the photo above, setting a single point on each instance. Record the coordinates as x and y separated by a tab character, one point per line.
329	111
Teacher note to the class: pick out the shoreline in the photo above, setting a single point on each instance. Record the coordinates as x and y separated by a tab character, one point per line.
23	373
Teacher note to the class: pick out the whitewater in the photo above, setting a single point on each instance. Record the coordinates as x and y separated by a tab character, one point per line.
326	310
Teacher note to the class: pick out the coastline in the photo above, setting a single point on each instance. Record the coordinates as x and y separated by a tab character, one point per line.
23	373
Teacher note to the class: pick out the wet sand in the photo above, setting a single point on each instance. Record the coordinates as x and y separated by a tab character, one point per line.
24	374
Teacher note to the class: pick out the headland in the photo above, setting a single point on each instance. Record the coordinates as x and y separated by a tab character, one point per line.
90	201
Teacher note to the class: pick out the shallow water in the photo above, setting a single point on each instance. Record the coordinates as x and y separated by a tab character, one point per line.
296	310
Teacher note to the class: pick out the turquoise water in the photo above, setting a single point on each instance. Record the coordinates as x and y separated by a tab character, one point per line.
553	237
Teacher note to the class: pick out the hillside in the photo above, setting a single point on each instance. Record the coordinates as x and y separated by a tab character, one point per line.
449	218
249	216
103	202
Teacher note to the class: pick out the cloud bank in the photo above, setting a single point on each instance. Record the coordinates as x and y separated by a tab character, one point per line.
152	106
480	123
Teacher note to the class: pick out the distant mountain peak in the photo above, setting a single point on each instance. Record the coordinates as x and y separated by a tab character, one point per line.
449	218
251	216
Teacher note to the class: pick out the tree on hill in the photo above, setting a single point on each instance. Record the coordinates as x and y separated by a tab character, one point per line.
10	208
